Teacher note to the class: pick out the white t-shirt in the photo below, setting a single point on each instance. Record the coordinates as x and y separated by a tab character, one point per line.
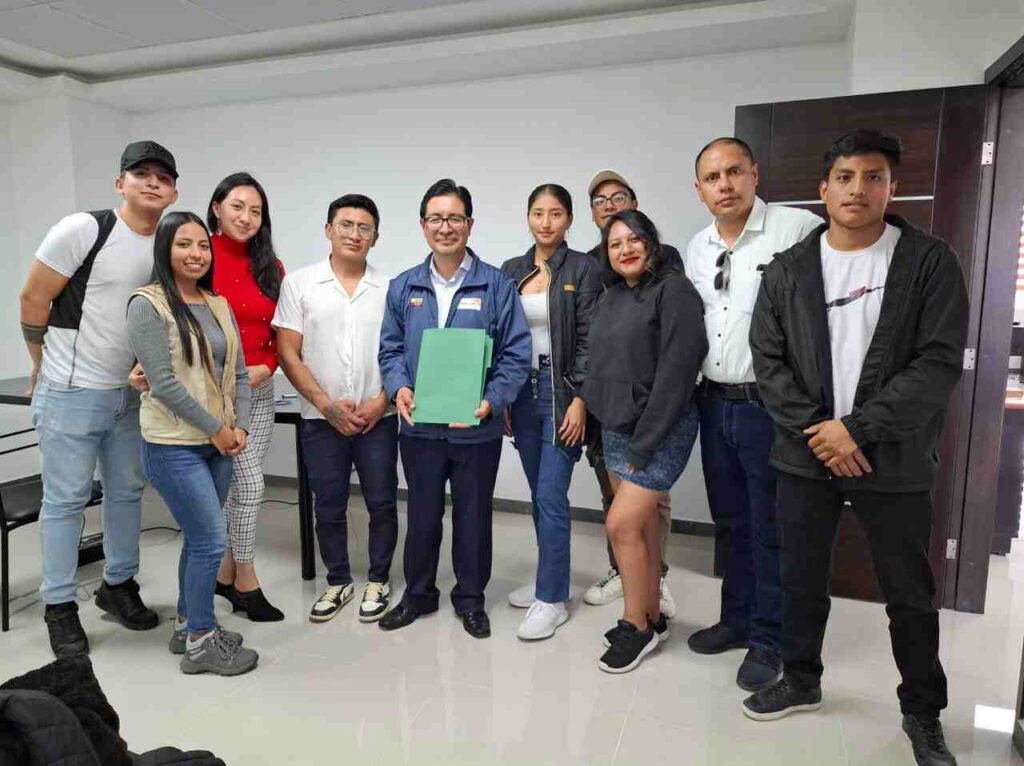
340	332
535	306
97	354
854	287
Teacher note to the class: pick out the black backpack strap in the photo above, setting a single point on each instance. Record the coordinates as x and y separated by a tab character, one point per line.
66	310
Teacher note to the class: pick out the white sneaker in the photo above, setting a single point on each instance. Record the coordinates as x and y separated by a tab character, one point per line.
542	620
606	590
523	598
376	597
666	602
331	601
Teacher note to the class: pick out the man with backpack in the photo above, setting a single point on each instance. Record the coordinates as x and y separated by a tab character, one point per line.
73	320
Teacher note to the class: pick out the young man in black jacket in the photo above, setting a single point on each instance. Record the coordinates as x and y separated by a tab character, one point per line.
857	338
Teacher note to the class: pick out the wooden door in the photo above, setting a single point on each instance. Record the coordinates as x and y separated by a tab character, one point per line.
942	190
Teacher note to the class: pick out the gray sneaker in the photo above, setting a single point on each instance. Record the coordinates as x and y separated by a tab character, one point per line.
218	655
180	634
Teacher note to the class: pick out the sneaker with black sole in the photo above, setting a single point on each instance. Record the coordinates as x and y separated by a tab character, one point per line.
123	603
376	598
331	602
779	700
760	669
925	734
660	630
215	654
628	648
179	637
716	639
67	637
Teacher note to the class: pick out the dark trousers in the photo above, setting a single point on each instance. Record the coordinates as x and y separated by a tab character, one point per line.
898	528
735	439
329	457
429	465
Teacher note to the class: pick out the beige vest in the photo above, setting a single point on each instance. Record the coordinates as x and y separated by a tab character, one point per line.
159	424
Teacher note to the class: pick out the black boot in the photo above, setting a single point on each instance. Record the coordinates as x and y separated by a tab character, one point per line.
67	637
123	603
929	745
255	606
225	591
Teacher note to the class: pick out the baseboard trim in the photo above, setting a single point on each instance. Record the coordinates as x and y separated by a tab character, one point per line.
577	513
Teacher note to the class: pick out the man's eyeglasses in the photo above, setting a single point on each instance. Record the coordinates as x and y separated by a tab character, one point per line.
455	222
724	266
346	227
618	199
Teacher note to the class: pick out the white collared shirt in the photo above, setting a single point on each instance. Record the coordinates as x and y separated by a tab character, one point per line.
340	332
445	289
770	229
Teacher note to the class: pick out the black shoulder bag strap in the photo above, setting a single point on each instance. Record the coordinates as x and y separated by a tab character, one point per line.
66	310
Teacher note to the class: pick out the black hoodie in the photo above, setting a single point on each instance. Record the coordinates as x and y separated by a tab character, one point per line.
647	344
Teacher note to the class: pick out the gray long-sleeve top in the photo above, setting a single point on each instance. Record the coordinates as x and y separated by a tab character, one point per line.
147	334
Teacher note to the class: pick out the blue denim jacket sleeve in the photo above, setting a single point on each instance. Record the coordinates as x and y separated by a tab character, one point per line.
513	350
393	367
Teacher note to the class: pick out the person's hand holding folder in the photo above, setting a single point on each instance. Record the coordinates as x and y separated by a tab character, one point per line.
482	412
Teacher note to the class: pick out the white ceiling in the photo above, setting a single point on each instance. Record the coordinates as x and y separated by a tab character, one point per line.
145	55
98	40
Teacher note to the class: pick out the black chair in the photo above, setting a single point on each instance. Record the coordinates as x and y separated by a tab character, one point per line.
20	502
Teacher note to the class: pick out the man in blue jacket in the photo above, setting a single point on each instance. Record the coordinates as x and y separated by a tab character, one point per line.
451	288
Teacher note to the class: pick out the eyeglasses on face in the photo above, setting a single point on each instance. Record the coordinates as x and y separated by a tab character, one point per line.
455	222
724	266
618	199
345	227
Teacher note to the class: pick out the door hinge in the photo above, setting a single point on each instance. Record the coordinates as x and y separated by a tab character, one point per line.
951	549
988	152
969	357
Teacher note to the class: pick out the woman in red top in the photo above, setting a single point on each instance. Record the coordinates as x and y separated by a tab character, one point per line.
249	275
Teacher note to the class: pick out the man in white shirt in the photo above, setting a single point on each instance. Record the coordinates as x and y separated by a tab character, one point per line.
328	322
82	407
724	261
858	389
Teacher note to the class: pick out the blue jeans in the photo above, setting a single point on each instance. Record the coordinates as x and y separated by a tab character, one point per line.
735	439
548	467
194	480
329	456
79	428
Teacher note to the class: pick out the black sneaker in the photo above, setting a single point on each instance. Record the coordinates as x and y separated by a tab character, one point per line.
780	700
716	639
929	745
760	669
629	646
67	637
660	630
123	603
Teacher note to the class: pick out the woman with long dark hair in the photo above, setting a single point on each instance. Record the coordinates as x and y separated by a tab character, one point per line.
249	276
194	419
647	342
558	288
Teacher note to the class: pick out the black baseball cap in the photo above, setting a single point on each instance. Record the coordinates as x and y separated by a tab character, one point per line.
147	151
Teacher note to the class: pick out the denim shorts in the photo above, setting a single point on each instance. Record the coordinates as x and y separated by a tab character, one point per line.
669	459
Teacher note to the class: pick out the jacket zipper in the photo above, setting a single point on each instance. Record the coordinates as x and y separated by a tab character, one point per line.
551	356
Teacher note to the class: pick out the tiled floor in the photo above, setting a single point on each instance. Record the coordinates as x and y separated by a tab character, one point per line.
347	693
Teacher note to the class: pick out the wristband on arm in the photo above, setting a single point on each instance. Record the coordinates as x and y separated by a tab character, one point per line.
33	333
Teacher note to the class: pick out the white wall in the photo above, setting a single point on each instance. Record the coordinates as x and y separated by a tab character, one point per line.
911	44
501	139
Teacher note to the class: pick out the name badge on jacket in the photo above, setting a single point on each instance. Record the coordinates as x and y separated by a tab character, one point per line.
470	304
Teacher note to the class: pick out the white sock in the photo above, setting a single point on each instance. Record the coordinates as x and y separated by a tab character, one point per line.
191	643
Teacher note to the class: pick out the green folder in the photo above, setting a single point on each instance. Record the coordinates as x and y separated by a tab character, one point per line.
451	374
